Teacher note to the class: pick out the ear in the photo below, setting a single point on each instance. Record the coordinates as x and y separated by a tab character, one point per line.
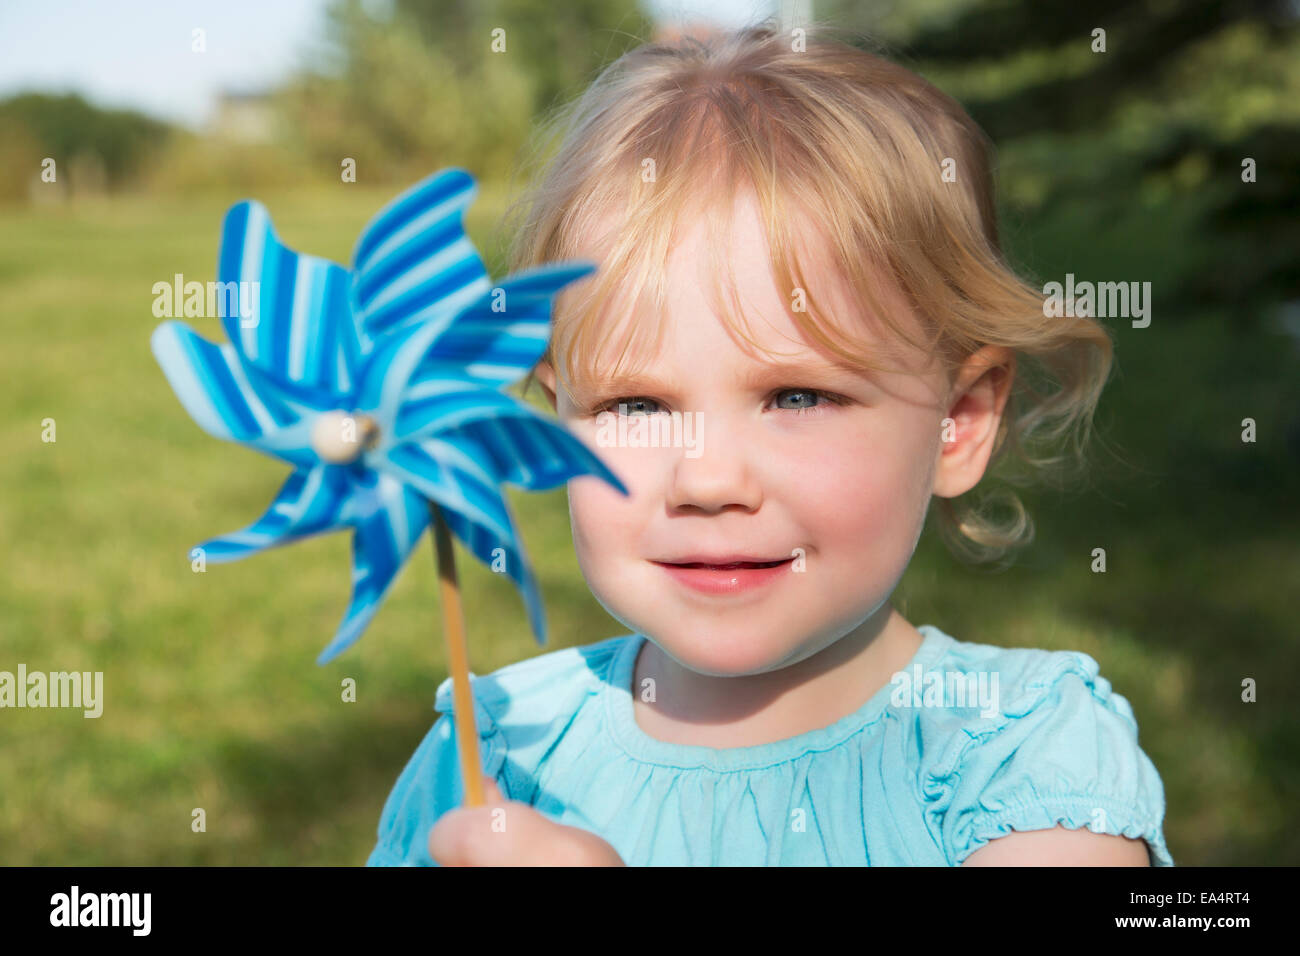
545	374
976	401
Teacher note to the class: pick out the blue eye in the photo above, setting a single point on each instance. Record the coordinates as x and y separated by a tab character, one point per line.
801	393
820	407
626	405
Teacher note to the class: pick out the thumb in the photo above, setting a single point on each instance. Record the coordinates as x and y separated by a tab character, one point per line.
492	793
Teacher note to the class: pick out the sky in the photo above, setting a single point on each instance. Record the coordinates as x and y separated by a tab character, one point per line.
139	53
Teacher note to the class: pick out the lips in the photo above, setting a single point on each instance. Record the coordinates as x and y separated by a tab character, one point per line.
726	562
727	576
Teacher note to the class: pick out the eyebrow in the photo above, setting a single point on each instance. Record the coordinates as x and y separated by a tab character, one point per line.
769	373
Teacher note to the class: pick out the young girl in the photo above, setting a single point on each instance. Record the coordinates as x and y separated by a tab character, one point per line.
831	340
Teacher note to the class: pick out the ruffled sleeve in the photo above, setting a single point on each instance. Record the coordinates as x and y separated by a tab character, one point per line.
1064	752
431	784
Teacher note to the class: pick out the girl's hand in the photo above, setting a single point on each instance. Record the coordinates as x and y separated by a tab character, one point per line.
510	833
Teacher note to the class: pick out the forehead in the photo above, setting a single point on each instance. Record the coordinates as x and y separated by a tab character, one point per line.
720	265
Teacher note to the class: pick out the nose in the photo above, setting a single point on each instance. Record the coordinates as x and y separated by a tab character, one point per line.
722	476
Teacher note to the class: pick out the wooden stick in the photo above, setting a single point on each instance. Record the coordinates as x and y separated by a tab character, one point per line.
458	660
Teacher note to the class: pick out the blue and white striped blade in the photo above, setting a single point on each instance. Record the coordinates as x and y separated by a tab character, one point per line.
452	477
383	541
301	325
521	446
534	452
438	405
386	372
310	503
211	383
413	258
306	401
498	338
483	545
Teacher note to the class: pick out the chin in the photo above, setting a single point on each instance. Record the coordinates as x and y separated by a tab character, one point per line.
722	652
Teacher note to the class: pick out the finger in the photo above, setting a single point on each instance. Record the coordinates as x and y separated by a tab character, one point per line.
472	841
449	839
456	838
490	835
471	836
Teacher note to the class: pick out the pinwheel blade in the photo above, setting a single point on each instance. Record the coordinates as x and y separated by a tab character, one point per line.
451	476
495	551
520	446
212	385
442	404
301	326
535	453
380	547
495	340
387	370
414	260
310	503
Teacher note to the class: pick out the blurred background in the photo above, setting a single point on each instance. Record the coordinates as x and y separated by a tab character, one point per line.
1125	165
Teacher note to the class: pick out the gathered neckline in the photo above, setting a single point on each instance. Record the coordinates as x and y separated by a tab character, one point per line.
620	718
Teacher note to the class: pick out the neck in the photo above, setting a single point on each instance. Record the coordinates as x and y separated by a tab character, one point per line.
700	709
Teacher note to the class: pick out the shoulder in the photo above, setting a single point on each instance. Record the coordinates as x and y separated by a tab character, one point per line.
985	691
522	710
539	683
1025	673
1041	741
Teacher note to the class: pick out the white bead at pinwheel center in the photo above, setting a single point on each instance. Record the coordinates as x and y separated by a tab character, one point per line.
340	438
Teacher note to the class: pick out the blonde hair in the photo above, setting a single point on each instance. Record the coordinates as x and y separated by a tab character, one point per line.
836	142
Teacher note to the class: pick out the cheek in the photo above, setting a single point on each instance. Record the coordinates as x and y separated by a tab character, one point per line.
607	531
599	512
861	488
588	511
600	515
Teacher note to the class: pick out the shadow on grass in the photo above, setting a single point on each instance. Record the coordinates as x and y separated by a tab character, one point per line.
307	778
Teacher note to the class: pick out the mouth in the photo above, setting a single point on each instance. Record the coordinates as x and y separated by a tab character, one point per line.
727	576
726	563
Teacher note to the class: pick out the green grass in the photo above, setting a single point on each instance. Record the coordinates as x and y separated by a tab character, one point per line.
212	696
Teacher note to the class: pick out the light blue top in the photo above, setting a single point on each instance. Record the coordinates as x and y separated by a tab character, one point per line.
903	781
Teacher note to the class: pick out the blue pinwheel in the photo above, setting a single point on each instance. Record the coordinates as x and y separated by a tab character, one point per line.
382	388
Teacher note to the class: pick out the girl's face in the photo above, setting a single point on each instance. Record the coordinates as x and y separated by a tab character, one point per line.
794	457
